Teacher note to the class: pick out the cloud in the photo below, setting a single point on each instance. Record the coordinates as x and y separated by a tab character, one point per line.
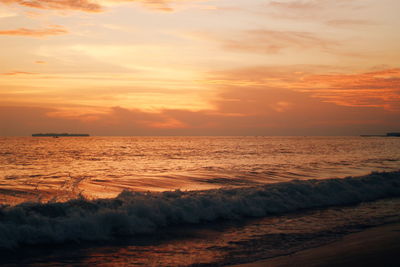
272	41
160	5
81	5
370	89
300	5
286	100
379	89
311	10
238	111
57	30
317	5
13	73
93	6
350	22
19	120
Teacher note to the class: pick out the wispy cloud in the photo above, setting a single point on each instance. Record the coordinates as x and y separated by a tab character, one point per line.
272	41
81	5
380	89
350	22
13	73
159	5
238	111
92	5
307	5
300	5
57	30
311	10
370	89
162	5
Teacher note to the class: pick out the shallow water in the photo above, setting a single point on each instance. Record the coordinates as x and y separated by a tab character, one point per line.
248	198
62	168
216	244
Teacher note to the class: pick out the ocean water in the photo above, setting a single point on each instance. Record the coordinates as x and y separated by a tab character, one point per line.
182	201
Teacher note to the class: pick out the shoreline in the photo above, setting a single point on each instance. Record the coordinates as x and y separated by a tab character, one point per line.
376	246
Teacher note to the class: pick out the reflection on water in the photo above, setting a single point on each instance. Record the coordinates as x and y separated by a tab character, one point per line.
59	169
216	244
48	169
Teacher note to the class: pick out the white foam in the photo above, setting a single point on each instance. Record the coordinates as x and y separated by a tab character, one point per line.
132	213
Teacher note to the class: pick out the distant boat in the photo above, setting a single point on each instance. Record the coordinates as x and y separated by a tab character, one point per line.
381	135
56	135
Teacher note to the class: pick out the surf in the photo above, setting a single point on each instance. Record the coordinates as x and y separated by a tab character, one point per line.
132	213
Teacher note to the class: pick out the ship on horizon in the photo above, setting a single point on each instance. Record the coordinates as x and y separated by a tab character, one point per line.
58	135
393	134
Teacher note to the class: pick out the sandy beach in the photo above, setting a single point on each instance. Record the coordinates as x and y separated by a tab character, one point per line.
378	246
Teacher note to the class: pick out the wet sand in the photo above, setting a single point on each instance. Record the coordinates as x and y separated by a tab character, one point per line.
378	246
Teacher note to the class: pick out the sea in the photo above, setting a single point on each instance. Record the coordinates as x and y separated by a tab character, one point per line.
189	201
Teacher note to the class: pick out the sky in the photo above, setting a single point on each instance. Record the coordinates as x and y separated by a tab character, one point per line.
198	67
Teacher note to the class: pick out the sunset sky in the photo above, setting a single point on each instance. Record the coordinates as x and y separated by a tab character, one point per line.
187	67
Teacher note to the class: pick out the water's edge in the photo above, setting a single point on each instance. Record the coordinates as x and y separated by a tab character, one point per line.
132	213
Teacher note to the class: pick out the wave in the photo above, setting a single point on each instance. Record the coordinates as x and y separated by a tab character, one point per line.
132	213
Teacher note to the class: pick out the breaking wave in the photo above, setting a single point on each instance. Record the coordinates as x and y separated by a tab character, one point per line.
133	213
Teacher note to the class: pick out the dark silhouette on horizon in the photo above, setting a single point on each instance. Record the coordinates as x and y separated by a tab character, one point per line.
57	135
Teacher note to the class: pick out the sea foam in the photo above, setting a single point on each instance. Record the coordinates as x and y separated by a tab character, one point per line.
133	213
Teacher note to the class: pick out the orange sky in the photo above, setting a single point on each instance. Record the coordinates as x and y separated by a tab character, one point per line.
198	67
